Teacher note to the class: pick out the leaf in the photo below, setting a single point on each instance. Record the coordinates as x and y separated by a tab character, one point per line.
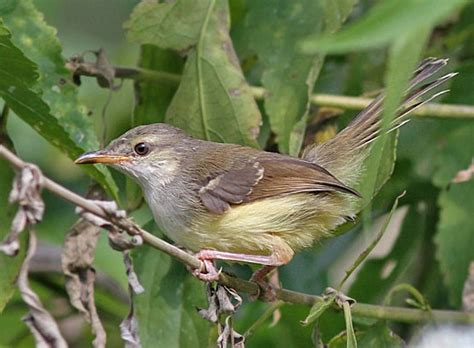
403	56
153	97
372	245
468	291
77	265
166	311
384	24
318	309
288	77
41	323
9	267
397	265
443	140
417	299
451	153
213	101
350	334
55	113
378	335
455	237
175	25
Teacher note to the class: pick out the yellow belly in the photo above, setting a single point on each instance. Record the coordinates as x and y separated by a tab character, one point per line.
261	227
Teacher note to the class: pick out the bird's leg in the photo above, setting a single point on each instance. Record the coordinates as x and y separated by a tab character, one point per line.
270	260
281	254
267	287
208	271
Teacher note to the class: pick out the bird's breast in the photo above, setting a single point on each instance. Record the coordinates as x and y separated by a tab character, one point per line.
171	210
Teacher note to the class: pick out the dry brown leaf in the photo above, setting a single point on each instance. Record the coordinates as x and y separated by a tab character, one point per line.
468	291
228	337
42	325
129	326
222	300
129	330
26	191
121	242
76	260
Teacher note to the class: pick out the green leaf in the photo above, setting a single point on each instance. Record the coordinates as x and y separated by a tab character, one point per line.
166	311
397	265
451	153
418	300
378	335
318	309
213	101
385	23
454	155
50	107
174	25
350	334
455	237
153	97
372	245
288	77
403	56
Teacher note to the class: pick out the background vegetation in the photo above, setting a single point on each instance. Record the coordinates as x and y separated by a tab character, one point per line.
192	79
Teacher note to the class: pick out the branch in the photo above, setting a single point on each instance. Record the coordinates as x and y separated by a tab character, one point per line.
407	315
349	103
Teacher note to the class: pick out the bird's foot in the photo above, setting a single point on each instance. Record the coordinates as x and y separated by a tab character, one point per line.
268	286
208	271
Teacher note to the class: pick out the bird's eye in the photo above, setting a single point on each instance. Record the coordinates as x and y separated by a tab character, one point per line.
141	149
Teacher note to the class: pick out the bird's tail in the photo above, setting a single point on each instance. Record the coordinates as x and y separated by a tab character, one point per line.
344	154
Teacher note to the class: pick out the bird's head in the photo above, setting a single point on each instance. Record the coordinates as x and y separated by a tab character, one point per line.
149	152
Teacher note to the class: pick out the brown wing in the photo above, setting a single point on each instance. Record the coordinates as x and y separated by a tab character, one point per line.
232	187
267	178
289	176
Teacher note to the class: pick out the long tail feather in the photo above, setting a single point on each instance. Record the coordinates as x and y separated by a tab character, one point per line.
344	154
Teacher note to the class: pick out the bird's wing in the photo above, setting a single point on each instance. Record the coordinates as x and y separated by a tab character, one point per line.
264	178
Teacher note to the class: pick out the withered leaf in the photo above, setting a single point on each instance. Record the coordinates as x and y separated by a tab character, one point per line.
222	300
228	337
76	260
468	291
26	191
41	324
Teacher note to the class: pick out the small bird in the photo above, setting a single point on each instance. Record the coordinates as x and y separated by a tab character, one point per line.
236	203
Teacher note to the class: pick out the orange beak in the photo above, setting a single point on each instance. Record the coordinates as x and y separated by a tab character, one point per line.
100	157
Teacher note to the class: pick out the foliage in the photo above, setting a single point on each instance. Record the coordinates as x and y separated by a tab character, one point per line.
209	56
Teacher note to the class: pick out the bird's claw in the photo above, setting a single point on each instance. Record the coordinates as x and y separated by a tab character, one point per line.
207	272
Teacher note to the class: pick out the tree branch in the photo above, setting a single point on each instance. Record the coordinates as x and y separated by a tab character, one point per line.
259	93
400	314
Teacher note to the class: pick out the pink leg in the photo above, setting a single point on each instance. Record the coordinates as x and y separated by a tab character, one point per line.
280	256
270	260
210	273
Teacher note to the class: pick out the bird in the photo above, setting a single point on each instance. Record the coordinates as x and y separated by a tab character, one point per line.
242	204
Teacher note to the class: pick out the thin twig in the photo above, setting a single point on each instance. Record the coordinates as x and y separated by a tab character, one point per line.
407	315
329	100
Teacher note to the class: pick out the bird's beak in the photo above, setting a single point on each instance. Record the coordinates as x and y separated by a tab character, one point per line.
100	157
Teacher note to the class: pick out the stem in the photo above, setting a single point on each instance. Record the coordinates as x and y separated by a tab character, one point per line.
147	74
328	100
359	103
407	315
